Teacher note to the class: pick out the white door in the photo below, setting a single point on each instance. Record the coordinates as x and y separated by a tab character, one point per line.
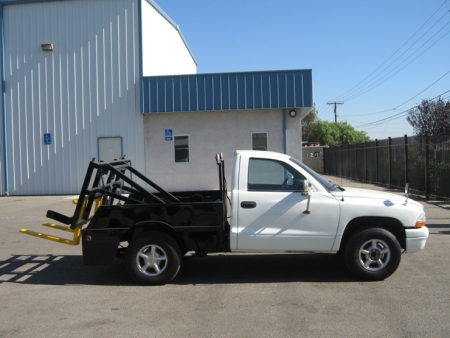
109	148
272	213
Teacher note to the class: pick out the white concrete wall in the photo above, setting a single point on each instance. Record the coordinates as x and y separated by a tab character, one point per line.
313	158
210	133
163	49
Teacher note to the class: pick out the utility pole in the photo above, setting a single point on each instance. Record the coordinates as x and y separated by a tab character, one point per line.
335	109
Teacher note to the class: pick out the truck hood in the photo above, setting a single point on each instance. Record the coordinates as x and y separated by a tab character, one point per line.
373	194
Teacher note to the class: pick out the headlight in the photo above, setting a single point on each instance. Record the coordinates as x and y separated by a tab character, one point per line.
421	221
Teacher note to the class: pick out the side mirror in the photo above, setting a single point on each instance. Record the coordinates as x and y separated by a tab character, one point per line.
307	185
306	188
290	179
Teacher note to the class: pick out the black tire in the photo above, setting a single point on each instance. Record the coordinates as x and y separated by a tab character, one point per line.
153	259
372	254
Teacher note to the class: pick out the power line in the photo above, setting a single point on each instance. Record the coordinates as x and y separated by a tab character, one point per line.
376	84
383	111
396	50
397	116
387	119
356	90
424	90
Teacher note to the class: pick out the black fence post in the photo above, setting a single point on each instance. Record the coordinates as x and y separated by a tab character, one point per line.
427	168
406	160
389	163
376	161
365	161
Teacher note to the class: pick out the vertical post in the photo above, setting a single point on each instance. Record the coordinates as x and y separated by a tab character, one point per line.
406	160
365	161
389	163
335	109
376	161
427	168
285	134
3	112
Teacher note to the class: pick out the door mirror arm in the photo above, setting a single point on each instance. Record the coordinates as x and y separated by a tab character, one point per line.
306	192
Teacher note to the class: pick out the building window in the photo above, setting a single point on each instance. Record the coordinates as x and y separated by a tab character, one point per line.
259	141
181	144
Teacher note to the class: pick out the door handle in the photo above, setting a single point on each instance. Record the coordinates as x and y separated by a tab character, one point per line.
248	205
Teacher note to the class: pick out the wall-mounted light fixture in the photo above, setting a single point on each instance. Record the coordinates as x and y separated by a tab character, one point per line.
292	113
47	47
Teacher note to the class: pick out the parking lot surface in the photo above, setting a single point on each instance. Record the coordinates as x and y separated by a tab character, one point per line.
46	291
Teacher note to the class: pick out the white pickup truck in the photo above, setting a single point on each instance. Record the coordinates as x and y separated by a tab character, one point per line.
277	205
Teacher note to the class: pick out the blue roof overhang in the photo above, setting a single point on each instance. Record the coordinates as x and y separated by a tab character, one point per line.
227	91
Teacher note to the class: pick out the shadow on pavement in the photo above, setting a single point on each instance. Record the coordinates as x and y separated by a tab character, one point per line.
214	269
60	270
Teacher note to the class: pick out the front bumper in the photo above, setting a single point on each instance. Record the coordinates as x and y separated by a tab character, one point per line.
416	239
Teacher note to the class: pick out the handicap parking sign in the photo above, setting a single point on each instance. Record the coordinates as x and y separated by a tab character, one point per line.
47	138
168	134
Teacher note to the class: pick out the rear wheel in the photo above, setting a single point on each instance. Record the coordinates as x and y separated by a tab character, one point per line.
153	259
373	254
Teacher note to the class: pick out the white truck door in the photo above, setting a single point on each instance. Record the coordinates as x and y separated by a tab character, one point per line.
271	210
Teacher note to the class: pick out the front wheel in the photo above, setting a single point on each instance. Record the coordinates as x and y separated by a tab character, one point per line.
153	259
373	254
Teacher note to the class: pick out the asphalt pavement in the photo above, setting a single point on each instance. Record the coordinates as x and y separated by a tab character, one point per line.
46	291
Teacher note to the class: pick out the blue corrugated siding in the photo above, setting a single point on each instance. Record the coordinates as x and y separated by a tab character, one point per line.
227	91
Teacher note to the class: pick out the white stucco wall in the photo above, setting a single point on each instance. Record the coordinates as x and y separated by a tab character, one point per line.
294	135
163	50
209	133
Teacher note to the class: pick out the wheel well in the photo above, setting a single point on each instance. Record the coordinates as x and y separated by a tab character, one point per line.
141	228
390	224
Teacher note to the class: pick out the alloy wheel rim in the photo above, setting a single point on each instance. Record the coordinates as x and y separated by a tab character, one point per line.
374	255
151	260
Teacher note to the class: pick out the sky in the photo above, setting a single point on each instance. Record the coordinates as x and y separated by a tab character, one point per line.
379	58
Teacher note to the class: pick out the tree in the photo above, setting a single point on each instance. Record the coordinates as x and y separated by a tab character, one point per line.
307	123
432	118
332	134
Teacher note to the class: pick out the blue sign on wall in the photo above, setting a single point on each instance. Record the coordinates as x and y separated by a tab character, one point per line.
168	134
47	138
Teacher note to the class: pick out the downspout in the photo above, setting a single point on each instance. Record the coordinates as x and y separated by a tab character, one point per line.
284	132
5	138
141	69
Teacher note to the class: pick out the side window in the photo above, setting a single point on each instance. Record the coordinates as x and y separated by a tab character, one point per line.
259	141
181	144
271	175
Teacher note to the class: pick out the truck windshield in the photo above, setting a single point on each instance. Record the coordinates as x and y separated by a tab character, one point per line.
327	184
